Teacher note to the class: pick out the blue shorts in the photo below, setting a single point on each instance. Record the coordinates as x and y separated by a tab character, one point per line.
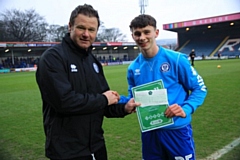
176	144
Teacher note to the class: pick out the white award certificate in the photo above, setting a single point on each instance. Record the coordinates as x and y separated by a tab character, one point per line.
154	102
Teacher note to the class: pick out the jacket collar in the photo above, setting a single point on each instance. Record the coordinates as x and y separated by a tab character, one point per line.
76	49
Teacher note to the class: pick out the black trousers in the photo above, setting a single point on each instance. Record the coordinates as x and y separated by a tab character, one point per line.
192	61
101	154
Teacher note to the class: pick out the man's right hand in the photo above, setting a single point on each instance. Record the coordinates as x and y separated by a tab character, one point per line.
112	97
130	107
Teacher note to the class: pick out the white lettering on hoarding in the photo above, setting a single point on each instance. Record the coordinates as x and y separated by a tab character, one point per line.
230	45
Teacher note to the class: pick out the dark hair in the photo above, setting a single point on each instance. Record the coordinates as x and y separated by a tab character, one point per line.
86	10
142	21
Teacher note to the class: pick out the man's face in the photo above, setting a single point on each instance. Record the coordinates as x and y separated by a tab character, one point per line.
84	30
145	37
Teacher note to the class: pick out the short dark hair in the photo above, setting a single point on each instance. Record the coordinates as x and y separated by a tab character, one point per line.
86	10
142	21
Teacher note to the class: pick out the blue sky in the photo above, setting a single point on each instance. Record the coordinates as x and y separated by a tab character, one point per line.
119	13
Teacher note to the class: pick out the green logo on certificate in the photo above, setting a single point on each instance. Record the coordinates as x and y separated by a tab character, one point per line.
154	102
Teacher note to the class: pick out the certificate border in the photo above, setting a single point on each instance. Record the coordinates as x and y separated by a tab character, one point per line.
134	89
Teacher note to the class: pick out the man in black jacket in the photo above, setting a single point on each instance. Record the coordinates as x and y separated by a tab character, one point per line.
192	56
75	94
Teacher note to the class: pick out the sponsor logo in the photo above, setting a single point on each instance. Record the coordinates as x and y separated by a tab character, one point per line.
73	68
200	80
137	72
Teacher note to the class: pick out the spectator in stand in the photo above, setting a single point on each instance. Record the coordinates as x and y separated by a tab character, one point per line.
192	56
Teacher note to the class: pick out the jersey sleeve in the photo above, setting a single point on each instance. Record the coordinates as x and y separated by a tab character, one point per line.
123	98
192	83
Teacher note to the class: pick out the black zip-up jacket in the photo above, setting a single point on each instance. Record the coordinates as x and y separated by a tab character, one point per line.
71	82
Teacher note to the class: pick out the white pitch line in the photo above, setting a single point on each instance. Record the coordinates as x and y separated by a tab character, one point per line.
224	150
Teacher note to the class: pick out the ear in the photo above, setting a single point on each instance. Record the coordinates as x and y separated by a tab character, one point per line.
157	33
69	27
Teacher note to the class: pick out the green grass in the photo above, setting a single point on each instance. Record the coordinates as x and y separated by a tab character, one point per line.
215	124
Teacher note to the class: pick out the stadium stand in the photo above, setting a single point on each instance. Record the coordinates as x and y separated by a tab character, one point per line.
208	36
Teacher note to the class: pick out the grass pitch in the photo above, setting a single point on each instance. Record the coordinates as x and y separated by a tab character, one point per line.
215	124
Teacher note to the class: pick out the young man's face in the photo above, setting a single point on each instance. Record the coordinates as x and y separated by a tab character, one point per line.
145	37
84	31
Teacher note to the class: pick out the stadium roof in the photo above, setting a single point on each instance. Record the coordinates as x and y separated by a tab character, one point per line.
218	21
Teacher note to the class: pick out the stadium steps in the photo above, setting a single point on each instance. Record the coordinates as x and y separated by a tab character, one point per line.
179	49
219	46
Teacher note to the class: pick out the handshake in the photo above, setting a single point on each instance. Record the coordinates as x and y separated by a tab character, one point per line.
113	97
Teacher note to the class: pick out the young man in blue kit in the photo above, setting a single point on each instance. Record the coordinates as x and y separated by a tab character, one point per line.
185	89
